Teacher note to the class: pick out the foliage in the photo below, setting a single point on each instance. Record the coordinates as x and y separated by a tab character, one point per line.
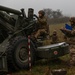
52	13
58	20
55	16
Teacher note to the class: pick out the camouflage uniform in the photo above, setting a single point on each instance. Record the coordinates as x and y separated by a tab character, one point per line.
70	34
43	27
70	38
71	41
54	37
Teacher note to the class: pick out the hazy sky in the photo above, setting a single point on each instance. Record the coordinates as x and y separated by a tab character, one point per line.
66	6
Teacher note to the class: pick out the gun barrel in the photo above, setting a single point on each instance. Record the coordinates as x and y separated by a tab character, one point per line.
9	10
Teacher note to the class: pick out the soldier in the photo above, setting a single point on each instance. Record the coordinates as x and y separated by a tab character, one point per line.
70	33
71	40
43	26
54	37
72	21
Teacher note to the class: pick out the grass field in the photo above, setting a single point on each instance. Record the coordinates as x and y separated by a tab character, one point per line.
43	67
59	33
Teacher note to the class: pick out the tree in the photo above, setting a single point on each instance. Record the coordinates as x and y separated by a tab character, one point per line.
52	13
48	12
55	16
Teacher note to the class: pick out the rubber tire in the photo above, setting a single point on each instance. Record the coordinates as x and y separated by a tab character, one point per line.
13	62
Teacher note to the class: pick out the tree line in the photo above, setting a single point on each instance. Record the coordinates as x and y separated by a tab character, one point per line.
55	16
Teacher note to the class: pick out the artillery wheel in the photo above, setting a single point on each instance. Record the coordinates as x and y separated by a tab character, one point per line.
17	53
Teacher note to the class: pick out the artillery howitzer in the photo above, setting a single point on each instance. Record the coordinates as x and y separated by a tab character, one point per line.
14	30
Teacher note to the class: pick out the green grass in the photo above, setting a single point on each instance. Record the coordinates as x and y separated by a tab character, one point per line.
43	67
57	28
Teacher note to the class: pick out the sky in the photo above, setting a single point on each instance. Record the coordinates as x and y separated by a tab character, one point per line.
66	6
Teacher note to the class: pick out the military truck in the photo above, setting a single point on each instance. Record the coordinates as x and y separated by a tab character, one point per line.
15	27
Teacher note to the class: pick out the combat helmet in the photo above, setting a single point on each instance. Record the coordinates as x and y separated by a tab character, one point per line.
41	12
72	19
54	32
